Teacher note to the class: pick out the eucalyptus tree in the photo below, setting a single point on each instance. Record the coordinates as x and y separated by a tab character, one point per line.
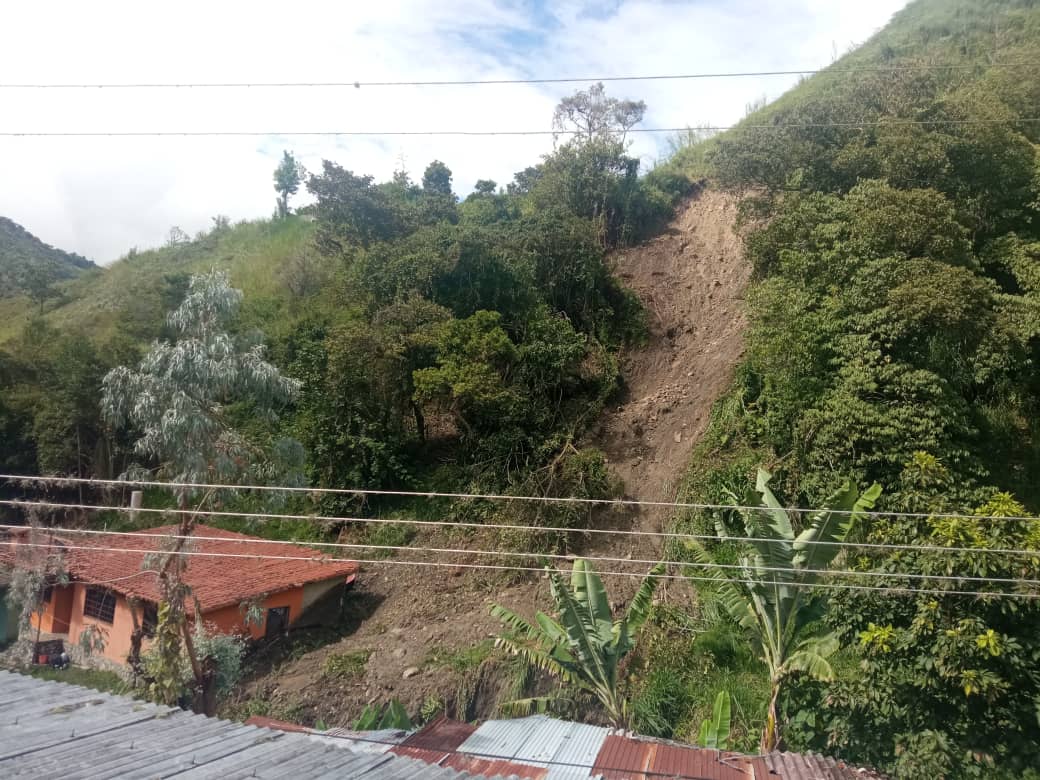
177	404
287	179
584	647
768	594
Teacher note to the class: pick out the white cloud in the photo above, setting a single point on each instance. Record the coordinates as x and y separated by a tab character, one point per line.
100	196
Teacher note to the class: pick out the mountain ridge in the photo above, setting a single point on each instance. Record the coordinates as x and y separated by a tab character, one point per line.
25	259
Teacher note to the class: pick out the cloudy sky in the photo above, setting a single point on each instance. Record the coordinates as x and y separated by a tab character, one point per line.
101	196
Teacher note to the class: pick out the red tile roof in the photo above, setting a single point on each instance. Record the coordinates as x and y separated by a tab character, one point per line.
216	581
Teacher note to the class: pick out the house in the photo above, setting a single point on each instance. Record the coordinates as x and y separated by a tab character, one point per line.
109	589
51	729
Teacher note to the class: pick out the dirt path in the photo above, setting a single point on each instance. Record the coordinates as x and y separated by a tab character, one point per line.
691	279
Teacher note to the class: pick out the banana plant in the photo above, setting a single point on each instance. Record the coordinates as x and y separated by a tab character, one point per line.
714	732
394	716
583	648
767	593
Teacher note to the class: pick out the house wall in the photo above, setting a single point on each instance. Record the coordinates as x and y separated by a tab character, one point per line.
56	615
315	591
117	634
64	614
230	620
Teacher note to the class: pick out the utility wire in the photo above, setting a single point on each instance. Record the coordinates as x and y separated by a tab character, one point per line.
486	82
498	567
539	555
329	520
475	133
488	497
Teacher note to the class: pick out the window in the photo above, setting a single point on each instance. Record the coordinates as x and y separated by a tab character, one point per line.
100	603
149	620
277	621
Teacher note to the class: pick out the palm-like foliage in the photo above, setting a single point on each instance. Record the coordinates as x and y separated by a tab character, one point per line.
767	593
583	648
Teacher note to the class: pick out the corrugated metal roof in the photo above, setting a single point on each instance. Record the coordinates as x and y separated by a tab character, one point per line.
809	766
52	729
439	742
567	749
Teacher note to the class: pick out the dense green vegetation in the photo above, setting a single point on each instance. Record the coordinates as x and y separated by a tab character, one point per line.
461	344
892	218
893	339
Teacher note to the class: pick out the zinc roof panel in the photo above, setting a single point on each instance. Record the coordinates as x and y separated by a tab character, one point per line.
501	738
54	729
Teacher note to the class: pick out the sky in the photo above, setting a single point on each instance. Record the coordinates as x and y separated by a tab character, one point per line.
101	196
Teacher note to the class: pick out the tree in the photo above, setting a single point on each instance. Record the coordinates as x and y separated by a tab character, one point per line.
177	400
287	178
38	280
767	594
36	565
67	421
590	114
948	683
351	211
585	647
436	179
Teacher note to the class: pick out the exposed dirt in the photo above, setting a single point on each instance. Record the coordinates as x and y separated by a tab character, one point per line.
412	622
691	280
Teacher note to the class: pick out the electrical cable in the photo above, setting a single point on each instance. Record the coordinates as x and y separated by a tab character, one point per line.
477	133
331	519
498	567
546	556
488	82
493	497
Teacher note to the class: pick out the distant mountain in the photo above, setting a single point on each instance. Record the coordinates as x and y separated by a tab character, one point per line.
25	261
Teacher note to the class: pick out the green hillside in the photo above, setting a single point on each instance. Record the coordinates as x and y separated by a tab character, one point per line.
29	266
133	294
891	214
893	222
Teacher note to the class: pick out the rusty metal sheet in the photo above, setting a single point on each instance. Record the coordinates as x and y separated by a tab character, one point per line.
440	734
485	767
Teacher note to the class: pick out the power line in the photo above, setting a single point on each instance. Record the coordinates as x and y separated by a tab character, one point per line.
486	82
330	519
504	133
547	556
486	497
499	567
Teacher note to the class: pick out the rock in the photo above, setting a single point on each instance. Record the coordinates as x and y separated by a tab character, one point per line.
677	436
411	671
397	631
399	652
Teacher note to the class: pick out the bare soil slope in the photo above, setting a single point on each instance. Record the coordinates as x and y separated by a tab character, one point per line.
691	279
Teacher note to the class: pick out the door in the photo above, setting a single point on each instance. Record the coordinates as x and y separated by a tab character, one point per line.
277	621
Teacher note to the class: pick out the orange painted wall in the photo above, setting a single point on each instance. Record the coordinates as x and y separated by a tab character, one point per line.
69	601
230	619
56	613
117	634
